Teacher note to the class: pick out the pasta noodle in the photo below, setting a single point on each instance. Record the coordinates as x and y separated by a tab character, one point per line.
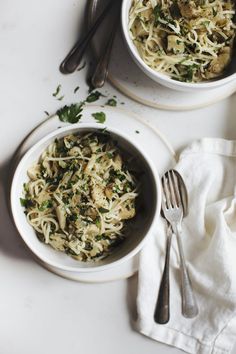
79	196
188	40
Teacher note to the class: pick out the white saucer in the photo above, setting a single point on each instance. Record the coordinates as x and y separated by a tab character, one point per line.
158	148
126	76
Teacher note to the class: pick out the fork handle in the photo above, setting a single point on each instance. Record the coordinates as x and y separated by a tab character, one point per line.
101	71
189	304
162	311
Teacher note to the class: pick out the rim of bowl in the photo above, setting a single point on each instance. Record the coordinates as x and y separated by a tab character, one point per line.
208	84
77	128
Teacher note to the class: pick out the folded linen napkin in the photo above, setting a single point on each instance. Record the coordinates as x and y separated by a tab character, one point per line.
209	240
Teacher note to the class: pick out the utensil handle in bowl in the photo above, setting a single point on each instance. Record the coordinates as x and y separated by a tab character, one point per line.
162	310
189	303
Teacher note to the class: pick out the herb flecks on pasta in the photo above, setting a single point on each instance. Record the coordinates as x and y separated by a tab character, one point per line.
188	40
79	195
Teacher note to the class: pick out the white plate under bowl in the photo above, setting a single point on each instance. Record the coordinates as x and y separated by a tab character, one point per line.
149	140
127	77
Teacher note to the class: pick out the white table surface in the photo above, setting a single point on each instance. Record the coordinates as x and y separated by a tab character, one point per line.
39	311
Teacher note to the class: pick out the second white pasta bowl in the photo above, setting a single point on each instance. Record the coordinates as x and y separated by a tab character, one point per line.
161	78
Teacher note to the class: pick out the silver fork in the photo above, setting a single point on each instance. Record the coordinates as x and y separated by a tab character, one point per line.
172	208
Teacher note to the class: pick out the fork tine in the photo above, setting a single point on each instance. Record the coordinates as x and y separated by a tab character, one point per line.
172	191
176	188
166	192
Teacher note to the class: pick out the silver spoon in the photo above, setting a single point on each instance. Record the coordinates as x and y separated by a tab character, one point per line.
73	58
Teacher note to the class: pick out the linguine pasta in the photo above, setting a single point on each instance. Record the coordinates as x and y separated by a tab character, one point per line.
188	40
79	196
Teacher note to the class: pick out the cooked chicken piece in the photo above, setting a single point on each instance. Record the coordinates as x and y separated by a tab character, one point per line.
126	212
69	141
140	30
188	9
147	13
99	197
117	162
57	242
42	197
76	199
91	212
87	151
219	64
96	249
61	215
67	177
90	164
175	44
92	230
109	191
75	151
34	171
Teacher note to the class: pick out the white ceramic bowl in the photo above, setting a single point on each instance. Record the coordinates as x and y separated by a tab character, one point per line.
139	229
159	77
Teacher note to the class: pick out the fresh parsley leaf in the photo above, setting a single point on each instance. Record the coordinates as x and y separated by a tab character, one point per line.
109	155
157	12
26	202
45	205
71	114
58	89
100	117
111	102
94	96
23	202
76	89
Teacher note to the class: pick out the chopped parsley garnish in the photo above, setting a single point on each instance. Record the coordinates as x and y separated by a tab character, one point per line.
47	114
56	93
137	131
100	117
111	102
94	96
71	114
45	205
157	12
26	203
76	89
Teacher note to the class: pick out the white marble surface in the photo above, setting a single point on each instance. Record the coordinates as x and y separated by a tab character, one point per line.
41	312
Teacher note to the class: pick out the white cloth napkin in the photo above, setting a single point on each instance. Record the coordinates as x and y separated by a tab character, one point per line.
209	239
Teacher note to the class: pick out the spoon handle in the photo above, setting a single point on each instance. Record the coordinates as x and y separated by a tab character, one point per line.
73	59
101	71
162	311
189	304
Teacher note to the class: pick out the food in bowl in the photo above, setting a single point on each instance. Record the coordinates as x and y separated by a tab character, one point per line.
189	41
80	194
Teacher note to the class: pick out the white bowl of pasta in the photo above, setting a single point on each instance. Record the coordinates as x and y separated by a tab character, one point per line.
183	45
85	199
